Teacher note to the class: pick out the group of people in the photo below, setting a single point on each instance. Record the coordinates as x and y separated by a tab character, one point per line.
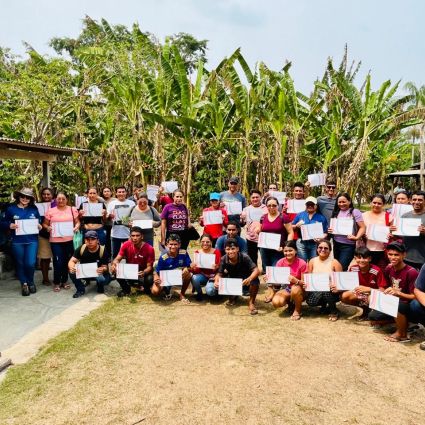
122	228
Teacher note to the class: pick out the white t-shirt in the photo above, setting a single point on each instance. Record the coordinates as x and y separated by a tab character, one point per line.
121	209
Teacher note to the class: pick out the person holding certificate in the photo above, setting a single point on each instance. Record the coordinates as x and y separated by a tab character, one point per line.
213	223
298	193
233	195
294	291
232	232
107	224
136	251
61	222
203	273
175	258
22	219
96	258
345	239
237	266
326	203
93	215
324	263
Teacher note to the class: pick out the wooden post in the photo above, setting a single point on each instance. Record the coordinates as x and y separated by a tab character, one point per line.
45	181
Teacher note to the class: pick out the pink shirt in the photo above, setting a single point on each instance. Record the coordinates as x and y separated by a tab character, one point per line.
252	225
54	215
298	267
384	219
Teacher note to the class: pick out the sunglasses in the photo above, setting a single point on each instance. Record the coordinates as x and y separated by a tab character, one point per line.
272	205
25	197
331	186
323	248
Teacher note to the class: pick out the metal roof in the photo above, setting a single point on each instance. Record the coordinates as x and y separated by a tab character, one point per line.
38	147
406	173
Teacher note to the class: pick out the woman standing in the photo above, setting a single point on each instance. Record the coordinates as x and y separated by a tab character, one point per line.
24	247
142	211
175	219
62	246
344	246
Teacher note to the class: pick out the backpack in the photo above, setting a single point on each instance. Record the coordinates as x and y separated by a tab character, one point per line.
84	246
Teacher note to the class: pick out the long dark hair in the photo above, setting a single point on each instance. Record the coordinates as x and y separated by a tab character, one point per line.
336	209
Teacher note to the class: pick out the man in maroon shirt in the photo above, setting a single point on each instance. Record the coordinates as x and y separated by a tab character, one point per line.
136	251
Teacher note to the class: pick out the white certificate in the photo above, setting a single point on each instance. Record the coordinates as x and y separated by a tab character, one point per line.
62	228
295	206
408	227
92	209
79	200
233	208
170	186
171	277
345	281
278	274
280	196
27	227
398	210
143	224
254	214
342	226
229	286
317	282
377	232
86	270
152	191
204	261
213	217
387	304
312	231
121	212
269	240
128	271
317	179
42	207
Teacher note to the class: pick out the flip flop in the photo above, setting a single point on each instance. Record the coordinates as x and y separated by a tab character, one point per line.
185	301
56	288
253	312
333	317
392	338
296	316
65	285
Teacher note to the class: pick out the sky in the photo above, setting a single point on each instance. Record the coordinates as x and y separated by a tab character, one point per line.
387	36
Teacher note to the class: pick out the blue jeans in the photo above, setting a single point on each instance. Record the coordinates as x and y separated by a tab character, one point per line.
199	280
101	234
344	253
62	252
269	257
101	281
25	255
210	289
417	312
306	250
116	245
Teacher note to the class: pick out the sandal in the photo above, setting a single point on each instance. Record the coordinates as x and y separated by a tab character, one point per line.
268	300
393	338
47	282
184	301
65	285
296	316
167	297
231	302
56	288
253	312
333	317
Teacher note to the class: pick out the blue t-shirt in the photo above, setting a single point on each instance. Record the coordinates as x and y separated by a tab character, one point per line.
13	213
166	262
221	242
316	218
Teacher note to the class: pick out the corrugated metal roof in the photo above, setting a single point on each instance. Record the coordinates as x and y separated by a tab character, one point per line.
38	147
406	173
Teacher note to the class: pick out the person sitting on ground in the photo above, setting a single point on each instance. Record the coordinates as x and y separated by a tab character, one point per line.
232	232
174	258
370	277
294	291
237	265
136	251
90	252
214	230
416	312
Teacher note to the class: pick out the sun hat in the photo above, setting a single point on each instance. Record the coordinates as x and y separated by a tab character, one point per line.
24	191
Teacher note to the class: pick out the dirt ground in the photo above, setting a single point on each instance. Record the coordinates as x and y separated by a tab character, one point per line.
150	362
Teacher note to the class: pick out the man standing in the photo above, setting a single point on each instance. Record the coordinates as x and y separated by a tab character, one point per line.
119	211
90	252
136	251
233	195
326	203
415	245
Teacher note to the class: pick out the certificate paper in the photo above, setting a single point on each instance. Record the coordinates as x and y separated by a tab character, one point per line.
170	186
62	228
317	282
280	196
384	303
171	277
317	179
278	274
233	208
229	286
128	271
93	209
408	227
204	261
27	227
312	231
121	212
377	232
269	240
295	206
345	281
213	217
86	270
42	207
152	191
342	226
79	200
143	224
254	214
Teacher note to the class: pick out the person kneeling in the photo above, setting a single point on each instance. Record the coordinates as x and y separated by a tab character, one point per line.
175	258
136	251
90	252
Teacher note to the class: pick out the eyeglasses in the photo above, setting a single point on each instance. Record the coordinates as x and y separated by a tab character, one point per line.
322	248
272	205
25	197
331	186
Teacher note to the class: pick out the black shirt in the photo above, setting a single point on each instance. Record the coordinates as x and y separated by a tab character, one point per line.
91	257
241	270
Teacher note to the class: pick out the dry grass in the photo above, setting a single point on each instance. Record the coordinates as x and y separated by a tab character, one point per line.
158	363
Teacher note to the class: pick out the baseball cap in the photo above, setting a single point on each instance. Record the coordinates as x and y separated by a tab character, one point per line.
234	179
91	234
311	199
214	196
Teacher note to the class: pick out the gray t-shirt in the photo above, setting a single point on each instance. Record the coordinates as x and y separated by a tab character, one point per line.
325	206
150	214
415	245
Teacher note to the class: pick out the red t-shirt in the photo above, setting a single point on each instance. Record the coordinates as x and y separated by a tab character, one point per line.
164	200
403	279
372	278
216	230
141	256
208	272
